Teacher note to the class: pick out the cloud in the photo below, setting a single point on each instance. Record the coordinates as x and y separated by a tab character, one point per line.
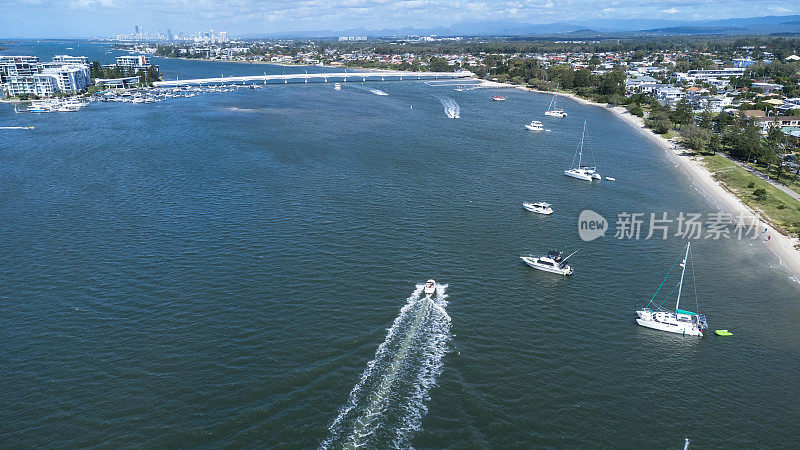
672	10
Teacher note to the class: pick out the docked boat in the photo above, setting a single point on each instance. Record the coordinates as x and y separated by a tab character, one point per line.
553	262
535	126
540	207
579	171
553	110
680	321
430	288
498	98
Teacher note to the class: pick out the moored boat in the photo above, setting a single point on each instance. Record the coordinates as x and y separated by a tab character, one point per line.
553	262
581	172
680	321
539	207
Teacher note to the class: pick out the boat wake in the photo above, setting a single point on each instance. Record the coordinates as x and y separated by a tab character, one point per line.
387	404
451	108
368	89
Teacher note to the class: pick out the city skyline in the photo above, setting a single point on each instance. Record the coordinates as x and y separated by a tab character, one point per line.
97	18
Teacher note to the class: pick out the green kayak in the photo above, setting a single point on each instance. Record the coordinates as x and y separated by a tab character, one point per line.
723	333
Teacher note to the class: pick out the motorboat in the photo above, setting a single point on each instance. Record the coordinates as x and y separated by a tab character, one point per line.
337	86
553	110
611	179
430	288
723	333
553	262
678	321
581	172
535	126
498	98
540	207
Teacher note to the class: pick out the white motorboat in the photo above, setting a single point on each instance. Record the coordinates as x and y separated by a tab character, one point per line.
535	125
540	207
553	110
680	321
553	262
581	172
611	179
498	98
430	288
337	86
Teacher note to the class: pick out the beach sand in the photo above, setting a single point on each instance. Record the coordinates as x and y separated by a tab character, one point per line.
781	245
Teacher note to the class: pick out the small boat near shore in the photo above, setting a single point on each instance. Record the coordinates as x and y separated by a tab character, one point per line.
498	98
581	172
540	208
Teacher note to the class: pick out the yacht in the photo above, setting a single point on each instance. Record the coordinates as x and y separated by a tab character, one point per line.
580	171
337	86
553	110
540	207
430	288
535	126
680	321
498	98
553	262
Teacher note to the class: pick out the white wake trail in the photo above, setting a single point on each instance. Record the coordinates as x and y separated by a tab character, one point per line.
368	89
451	108
388	403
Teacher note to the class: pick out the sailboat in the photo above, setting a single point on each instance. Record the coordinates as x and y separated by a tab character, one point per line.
553	110
580	171
681	321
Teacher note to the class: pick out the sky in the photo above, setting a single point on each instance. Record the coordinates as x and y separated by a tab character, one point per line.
101	18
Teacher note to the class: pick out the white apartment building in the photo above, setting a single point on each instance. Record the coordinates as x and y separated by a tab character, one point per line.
66	59
134	62
25	75
716	73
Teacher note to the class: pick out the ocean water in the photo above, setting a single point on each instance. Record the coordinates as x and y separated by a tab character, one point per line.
243	269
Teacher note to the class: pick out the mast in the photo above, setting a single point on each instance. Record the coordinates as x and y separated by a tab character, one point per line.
580	152
683	264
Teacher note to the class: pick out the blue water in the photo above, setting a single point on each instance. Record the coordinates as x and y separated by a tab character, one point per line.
223	269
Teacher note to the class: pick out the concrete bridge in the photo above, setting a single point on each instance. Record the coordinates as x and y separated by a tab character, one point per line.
320	77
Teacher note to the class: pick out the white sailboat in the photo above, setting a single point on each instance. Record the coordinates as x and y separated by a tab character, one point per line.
681	321
581	172
553	110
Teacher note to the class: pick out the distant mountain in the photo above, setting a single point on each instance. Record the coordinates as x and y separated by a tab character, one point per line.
582	28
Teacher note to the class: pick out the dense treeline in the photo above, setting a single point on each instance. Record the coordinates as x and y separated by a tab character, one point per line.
146	77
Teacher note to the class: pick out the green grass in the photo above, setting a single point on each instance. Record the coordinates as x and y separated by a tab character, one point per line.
786	176
778	207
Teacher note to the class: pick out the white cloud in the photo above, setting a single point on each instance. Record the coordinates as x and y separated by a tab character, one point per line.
672	10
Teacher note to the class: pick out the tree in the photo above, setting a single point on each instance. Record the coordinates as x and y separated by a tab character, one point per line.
715	144
695	137
683	112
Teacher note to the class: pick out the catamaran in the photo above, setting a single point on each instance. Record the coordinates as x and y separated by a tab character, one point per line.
580	171
552	262
553	109
681	321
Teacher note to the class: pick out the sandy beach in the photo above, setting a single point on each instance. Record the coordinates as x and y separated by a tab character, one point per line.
781	245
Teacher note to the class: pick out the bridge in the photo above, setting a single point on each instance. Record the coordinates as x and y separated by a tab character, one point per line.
320	77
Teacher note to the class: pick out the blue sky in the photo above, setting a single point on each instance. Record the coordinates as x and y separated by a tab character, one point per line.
91	18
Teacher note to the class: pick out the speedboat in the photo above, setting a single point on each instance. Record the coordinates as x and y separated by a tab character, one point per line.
430	288
535	126
498	98
552	262
540	207
680	321
580	171
337	86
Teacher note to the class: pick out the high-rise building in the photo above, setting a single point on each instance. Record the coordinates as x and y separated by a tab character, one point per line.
137	28
169	35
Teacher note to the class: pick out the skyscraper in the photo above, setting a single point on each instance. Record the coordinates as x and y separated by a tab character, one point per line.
137	28
169	35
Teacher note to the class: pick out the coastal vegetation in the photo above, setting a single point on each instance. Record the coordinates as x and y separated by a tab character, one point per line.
146	77
778	207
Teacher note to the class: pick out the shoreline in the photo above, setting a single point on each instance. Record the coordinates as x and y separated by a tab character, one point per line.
782	245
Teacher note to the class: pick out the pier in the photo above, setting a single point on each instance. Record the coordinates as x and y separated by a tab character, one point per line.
320	78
